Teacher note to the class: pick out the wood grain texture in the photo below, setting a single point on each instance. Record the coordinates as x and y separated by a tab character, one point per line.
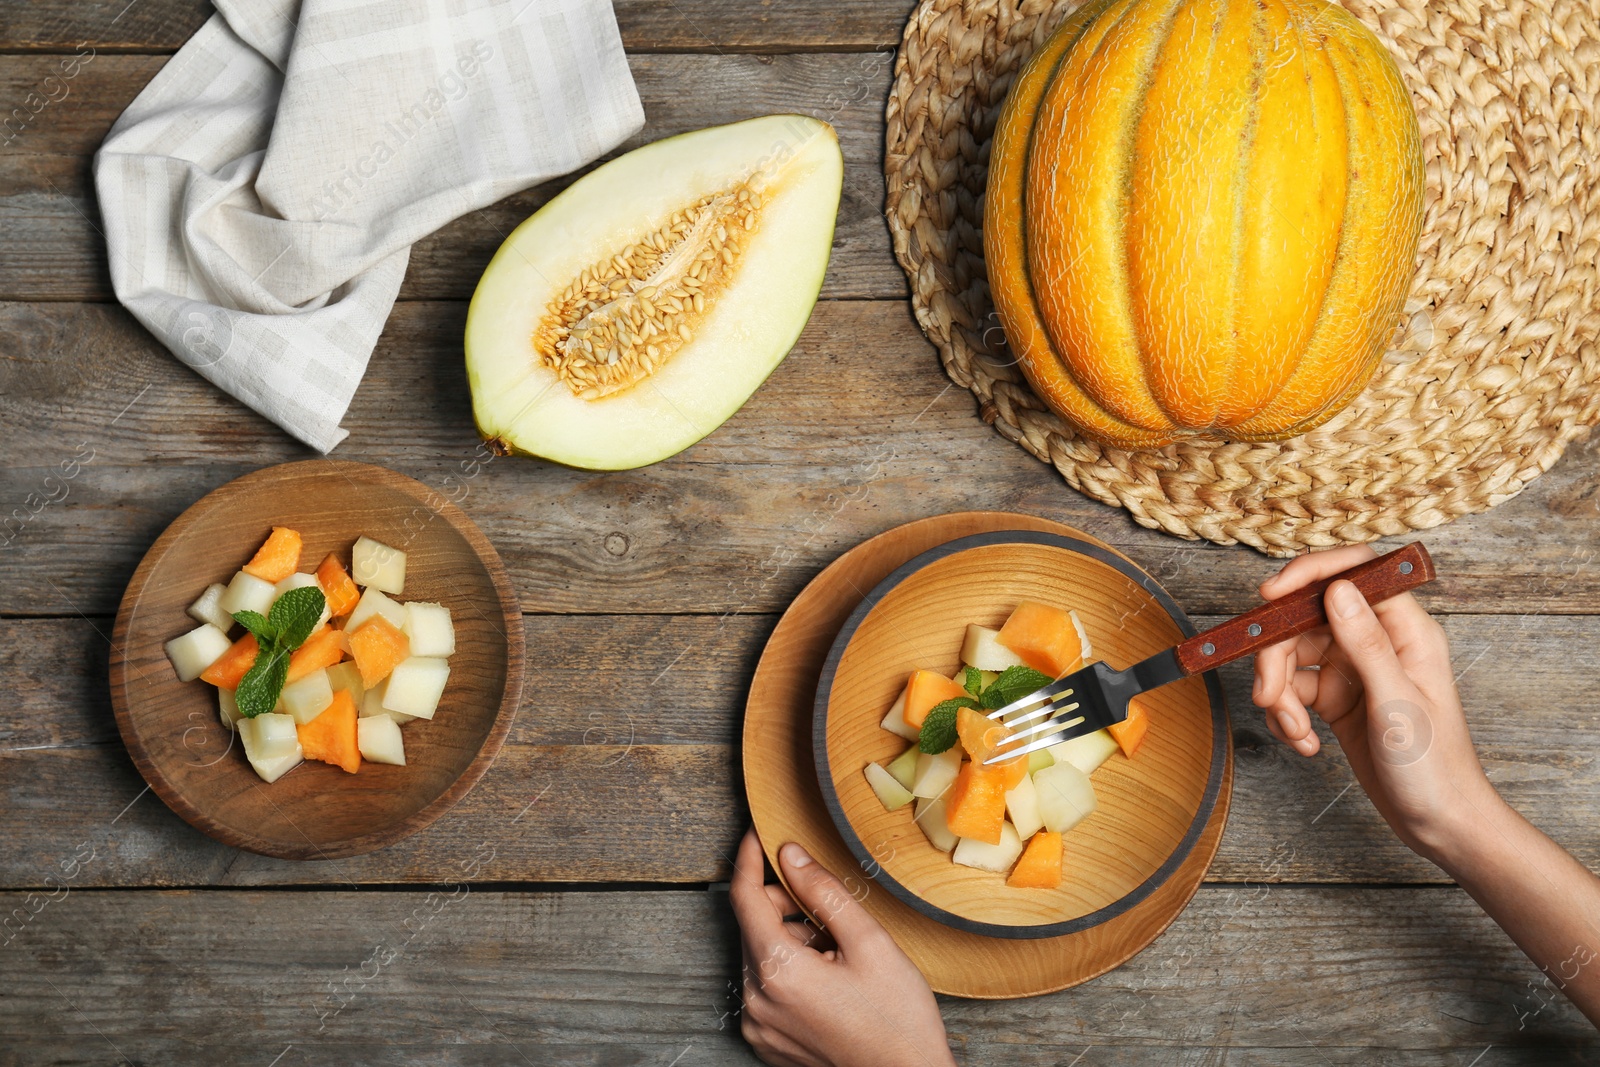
1284	977
857	431
626	748
54	251
315	811
678	26
1150	809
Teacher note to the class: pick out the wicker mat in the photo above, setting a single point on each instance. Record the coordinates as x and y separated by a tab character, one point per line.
1494	371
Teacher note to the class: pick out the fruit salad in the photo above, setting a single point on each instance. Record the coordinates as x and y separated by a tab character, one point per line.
1007	817
329	665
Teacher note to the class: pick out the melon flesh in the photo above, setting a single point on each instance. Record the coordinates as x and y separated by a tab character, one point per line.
750	317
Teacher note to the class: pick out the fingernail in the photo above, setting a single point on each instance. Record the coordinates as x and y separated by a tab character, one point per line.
1286	723
1346	600
795	856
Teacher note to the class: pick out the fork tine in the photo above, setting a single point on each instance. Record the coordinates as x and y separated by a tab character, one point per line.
1059	687
1064	718
1053	738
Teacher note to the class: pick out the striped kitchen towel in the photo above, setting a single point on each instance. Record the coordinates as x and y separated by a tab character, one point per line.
261	195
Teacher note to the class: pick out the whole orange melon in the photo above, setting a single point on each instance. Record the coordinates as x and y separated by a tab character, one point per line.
1202	216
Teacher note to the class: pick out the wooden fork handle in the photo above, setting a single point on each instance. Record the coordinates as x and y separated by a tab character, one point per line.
1378	579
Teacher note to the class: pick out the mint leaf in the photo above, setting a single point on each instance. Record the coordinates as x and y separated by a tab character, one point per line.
295	614
939	728
1014	683
257	624
972	680
259	688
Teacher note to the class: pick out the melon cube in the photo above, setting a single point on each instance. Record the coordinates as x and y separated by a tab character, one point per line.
1039	759
307	698
269	736
415	686
1086	752
1065	797
982	649
209	608
895	721
375	565
372	704
986	857
228	709
1022	805
196	650
930	816
247	593
303	580
430	629
347	677
891	794
904	767
936	773
378	737
373	602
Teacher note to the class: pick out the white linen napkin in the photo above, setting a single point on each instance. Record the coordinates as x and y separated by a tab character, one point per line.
261	195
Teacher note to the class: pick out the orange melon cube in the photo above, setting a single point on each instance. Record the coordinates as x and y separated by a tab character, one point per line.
981	737
323	648
1040	865
278	557
378	646
337	586
975	806
331	736
1046	638
231	667
1129	732
925	691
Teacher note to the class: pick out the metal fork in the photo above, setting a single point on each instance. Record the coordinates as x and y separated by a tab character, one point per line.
1095	697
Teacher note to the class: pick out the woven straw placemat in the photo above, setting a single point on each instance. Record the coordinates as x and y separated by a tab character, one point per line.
1494	371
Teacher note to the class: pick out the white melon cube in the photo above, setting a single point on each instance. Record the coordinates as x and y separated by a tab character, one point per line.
936	774
228	709
930	815
378	737
209	608
415	686
372	704
196	650
982	649
971	852
891	794
1087	752
269	767
305	699
895	721
1065	796
429	629
373	602
247	593
347	677
303	580
1039	759
375	565
904	767
1022	805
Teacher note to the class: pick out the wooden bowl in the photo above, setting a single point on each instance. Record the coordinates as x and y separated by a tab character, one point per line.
1151	808
316	811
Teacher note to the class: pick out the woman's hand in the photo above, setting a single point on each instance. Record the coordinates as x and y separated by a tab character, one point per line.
1385	686
856	1001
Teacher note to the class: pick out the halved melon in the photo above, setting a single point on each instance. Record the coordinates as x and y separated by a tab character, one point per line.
634	313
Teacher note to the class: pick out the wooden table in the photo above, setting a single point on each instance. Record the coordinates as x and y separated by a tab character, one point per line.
572	909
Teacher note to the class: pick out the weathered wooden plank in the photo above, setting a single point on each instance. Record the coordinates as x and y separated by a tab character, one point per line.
647	25
858	431
53	248
622	765
1288	976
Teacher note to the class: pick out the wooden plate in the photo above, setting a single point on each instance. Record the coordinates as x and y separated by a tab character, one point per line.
316	811
1151	809
786	800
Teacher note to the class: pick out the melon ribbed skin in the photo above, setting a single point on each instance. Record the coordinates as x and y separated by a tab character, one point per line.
1202	216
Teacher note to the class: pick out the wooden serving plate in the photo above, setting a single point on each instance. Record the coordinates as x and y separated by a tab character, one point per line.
786	799
1151	809
316	811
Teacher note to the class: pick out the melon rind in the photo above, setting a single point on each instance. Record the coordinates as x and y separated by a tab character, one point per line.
524	407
